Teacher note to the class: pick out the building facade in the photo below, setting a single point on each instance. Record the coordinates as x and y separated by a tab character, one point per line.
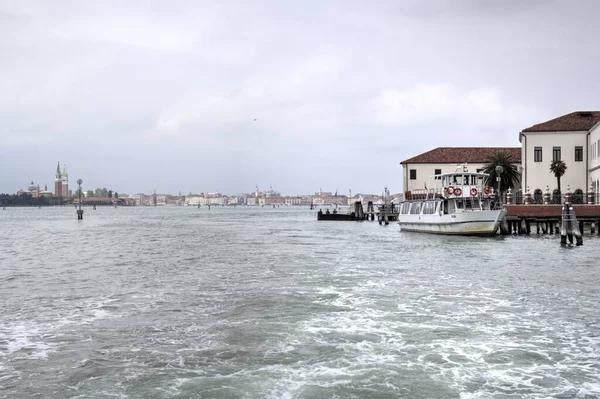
573	138
418	172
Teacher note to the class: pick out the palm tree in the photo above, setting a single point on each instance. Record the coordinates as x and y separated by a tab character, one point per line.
509	178
558	169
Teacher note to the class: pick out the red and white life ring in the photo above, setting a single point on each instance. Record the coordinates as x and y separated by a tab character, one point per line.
450	190
487	190
474	191
457	191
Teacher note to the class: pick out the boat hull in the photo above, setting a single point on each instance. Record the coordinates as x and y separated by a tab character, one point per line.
483	223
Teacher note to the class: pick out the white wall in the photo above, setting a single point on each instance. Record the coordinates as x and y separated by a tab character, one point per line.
538	175
594	158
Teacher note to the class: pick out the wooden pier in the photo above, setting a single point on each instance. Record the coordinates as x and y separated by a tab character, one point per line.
384	214
546	219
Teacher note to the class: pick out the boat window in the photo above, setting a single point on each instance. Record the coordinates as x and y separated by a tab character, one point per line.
457	179
415	209
473	180
406	208
459	204
476	203
428	208
466	180
445	207
468	203
438	206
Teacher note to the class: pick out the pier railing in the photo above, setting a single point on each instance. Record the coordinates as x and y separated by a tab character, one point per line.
551	198
537	197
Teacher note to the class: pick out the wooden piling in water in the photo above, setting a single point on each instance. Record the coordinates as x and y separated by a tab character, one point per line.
504	227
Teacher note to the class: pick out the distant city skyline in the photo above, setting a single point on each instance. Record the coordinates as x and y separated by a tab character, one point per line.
195	96
61	175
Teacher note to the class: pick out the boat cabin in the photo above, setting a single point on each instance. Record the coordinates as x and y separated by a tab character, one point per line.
458	184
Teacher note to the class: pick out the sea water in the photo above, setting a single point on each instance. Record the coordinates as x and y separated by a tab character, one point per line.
180	302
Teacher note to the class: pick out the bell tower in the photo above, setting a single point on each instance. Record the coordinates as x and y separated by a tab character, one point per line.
65	182
58	182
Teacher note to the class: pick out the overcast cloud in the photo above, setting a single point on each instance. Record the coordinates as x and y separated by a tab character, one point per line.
163	95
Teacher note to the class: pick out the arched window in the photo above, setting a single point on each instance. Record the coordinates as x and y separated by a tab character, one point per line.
578	196
556	196
538	196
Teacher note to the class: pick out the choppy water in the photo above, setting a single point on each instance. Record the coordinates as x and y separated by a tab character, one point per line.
186	302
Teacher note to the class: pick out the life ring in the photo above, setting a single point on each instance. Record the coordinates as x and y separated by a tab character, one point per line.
450	190
457	191
487	190
474	191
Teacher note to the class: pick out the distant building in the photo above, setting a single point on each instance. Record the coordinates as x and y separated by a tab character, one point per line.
296	200
35	192
192	200
274	200
271	193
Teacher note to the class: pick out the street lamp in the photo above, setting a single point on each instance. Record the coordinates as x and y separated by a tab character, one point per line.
499	171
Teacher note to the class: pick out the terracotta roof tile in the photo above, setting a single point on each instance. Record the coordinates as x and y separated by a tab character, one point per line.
458	155
580	120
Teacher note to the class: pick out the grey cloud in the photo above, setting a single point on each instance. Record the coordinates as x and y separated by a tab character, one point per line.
164	95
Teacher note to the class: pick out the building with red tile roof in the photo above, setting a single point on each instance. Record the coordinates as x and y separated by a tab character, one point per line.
419	170
573	138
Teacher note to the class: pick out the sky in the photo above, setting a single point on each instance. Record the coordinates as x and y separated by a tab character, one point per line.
197	96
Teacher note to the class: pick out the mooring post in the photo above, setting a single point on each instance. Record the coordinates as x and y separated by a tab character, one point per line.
537	226
577	227
504	227
370	211
79	211
565	226
592	228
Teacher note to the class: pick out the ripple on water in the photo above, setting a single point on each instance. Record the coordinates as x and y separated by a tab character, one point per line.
176	302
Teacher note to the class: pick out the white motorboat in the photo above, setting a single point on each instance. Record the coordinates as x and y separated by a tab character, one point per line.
459	203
